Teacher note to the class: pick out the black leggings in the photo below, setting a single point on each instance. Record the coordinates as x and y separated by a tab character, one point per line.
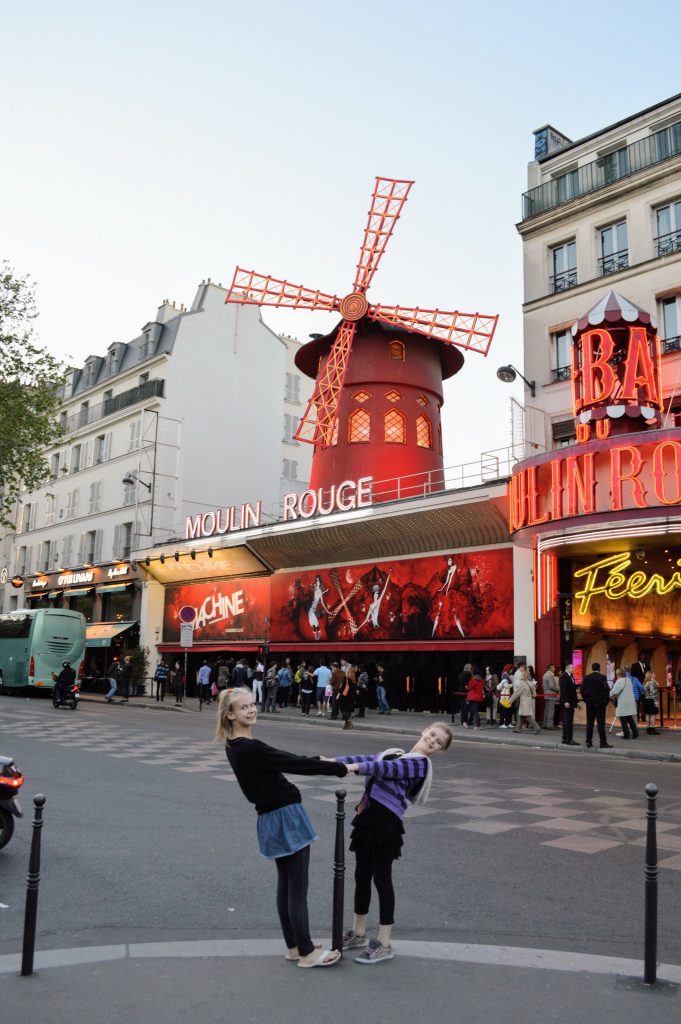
292	874
370	866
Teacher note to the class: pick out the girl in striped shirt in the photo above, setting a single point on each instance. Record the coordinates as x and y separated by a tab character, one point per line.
393	779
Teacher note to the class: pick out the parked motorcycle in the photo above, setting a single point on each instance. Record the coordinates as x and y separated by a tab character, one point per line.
11	780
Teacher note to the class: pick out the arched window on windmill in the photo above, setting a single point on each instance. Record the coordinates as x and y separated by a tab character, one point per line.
359	427
396	350
361	396
422	400
439	437
395	428
424	432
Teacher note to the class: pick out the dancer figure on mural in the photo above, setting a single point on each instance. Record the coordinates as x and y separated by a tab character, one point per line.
437	618
317	600
375	606
451	571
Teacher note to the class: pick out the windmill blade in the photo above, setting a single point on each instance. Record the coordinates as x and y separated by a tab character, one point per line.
317	424
251	289
472	331
388	198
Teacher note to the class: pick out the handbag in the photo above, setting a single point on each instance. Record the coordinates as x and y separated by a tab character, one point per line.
505	702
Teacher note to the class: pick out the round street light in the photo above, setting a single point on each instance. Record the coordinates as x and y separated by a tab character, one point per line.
507	374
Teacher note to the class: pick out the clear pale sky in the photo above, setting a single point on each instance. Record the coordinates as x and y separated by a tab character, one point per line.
146	146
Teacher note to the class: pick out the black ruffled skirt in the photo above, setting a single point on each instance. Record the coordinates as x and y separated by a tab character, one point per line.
377	830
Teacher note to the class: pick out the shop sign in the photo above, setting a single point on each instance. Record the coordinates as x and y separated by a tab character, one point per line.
343	497
633	593
609	577
615	374
608	477
39	583
71	579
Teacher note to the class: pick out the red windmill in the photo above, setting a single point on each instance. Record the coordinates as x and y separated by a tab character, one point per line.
375	412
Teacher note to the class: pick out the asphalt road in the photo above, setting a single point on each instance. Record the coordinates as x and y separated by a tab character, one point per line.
147	837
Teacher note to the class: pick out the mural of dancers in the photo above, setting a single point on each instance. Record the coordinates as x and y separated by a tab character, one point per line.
317	601
451	571
375	606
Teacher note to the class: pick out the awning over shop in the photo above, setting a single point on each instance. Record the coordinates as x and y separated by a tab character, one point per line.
100	634
77	591
112	588
54	593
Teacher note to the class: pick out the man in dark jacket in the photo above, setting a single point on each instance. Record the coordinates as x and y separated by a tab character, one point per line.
568	702
596	694
459	700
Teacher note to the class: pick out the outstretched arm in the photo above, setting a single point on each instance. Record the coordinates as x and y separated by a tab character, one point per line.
294	764
400	768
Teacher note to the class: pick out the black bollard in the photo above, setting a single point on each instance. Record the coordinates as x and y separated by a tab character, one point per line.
338	873
650	950
32	884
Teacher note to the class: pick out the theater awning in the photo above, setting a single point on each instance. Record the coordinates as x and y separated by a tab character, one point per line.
100	634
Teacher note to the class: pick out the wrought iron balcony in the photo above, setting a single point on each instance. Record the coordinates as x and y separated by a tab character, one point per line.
671	345
565	188
560	373
616	261
143	392
561	282
667	244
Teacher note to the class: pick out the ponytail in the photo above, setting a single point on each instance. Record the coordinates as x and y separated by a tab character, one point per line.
224	726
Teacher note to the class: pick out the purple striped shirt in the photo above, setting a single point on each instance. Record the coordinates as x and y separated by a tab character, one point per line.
392	782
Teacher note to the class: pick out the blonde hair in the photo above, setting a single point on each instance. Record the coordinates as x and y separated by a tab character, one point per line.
224	726
443	727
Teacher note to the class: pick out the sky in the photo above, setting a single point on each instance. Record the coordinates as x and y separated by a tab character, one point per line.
147	146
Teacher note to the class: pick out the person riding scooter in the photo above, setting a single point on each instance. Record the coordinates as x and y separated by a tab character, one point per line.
63	682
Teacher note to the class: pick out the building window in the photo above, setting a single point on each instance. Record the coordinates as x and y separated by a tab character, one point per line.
67	552
135	434
143	379
112	362
102	448
44	560
424	432
291	424
567	186
614	165
668	225
50	502
334	434
563	433
72	504
292	391
670	321
62	420
668	141
359	426
76	456
393	396
28	517
91	547
54	467
290	469
129	493
614	249
122	540
95	498
564	263
394	428
361	396
396	350
22	561
422	400
562	347
83	415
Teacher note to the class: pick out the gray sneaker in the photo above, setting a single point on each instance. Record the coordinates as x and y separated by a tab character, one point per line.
374	953
353	941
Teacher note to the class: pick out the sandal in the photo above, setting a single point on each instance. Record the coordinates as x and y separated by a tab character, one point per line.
320	961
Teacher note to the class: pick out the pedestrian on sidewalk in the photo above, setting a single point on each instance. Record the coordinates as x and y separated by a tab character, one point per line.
125	678
524	694
622	694
475	696
505	691
463	679
382	691
347	696
596	694
285	680
271	686
550	687
284	829
568	703
491	695
392	780
257	682
307	689
651	699
161	678
113	674
322	676
203	683
362	692
177	683
337	684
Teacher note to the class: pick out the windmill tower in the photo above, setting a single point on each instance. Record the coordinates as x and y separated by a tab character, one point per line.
375	409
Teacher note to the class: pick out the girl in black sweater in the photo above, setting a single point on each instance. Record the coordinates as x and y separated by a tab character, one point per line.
284	829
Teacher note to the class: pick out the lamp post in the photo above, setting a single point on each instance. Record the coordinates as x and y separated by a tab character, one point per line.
509	373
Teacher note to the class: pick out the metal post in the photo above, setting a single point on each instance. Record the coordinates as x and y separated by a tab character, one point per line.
338	873
186	678
650	950
32	884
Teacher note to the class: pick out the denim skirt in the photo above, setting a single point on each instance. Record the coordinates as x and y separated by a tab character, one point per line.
285	831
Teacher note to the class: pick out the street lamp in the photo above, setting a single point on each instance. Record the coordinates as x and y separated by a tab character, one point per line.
509	373
131	478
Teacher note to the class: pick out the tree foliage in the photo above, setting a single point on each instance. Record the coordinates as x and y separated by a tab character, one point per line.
30	379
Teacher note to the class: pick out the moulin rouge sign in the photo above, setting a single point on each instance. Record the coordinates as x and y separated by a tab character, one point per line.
341	497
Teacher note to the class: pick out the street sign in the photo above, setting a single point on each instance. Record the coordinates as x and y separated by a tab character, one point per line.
186	634
187	614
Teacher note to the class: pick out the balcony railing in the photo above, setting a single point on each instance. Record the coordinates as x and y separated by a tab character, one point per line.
667	244
616	261
671	344
560	373
561	282
600	173
143	392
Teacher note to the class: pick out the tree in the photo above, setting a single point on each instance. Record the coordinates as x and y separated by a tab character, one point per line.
30	380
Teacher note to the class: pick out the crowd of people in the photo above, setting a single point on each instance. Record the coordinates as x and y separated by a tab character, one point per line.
509	701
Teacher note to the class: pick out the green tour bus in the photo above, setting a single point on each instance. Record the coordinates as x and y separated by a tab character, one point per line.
33	644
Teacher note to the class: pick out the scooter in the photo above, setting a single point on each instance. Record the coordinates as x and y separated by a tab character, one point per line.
69	697
11	780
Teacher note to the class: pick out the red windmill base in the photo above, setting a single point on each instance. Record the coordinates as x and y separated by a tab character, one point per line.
375	408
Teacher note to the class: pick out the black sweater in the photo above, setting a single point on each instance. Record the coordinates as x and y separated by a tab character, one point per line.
258	769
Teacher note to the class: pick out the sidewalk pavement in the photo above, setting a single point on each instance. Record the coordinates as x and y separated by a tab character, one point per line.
211	982
665	747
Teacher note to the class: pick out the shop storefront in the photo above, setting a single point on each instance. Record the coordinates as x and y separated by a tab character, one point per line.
602	515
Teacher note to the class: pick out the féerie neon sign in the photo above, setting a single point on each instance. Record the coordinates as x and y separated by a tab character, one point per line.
608	577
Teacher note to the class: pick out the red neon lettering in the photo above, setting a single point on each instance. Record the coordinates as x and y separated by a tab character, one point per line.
556	490
518	502
533	516
640	385
583	432
598	377
659	473
290	507
580	483
193	527
618	476
603	429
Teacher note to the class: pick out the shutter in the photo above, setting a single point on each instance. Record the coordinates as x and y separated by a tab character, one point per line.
29	559
117	542
81	550
65	461
74	502
98	545
106	455
90	452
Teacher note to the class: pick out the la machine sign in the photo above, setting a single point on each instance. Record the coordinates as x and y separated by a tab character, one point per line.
344	497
